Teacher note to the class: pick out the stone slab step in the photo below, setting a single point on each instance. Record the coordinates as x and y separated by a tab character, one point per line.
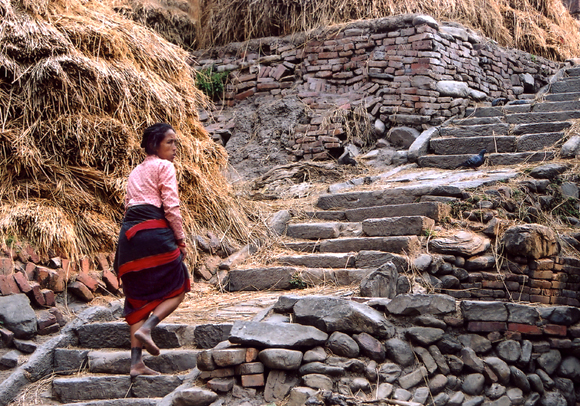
498	111
116	335
536	128
119	402
322	231
327	215
68	361
329	260
566	86
397	226
284	278
537	142
384	197
451	161
573	72
436	211
542	117
360	260
572	105
475	130
89	387
562	96
472	145
397	245
478	121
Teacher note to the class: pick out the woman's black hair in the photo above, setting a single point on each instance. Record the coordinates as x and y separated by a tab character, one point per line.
152	137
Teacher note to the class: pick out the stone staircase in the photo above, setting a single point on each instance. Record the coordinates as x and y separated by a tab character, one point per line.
512	134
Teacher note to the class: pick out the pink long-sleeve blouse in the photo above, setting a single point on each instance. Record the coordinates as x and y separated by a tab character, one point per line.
154	182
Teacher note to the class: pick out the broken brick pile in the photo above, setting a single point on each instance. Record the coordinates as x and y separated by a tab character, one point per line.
390	67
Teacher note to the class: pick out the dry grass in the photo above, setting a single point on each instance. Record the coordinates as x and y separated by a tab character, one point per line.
541	27
79	84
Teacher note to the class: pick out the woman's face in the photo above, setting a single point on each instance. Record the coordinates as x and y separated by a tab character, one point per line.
168	147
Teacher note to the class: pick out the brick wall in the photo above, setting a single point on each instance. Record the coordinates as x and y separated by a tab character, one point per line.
388	68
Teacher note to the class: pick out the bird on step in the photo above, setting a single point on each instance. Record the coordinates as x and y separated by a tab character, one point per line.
475	161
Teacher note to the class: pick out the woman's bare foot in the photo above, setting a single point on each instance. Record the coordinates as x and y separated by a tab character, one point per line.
141	369
147	341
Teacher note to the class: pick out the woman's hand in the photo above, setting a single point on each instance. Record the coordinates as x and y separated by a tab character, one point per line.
182	247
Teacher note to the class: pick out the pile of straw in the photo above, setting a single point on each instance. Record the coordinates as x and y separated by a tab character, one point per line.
174	20
541	27
78	85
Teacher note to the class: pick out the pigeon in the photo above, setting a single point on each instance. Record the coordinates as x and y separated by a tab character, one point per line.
475	161
499	101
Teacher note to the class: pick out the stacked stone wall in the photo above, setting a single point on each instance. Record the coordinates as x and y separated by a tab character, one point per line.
398	70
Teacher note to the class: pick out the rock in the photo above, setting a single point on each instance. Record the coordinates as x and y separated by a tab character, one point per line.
475	401
523	314
553	399
154	387
480	262
25	346
332	314
279	384
70	390
194	396
456	399
69	361
276	358
570	368
509	350
209	335
426	358
463	243
320	368
221	384
370	346
415	304
478	343
284	335
389	372
229	357
314	355
547	381
473	384
520	379
371	371
516	396
569	189
449	344
317	381
483	311
455	364
536	383
571	148
279	221
428	320
421	395
549	171
343	345
500	368
441	399
458	89
10	359
402	137
356	384
471	360
566	388
381	282
530	240
425	335
413	378
566	315
17	315
533	399
549	361
384	391
439	359
113	362
400	351
495	391
437	383
402	395
422	262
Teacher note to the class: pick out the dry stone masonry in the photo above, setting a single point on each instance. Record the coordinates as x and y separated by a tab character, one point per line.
406	70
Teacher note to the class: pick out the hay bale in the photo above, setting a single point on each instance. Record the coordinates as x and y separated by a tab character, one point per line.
79	83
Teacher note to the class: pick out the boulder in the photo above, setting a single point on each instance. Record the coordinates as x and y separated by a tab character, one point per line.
331	314
402	137
463	243
343	345
281	359
17	315
549	171
284	335
381	282
415	304
530	240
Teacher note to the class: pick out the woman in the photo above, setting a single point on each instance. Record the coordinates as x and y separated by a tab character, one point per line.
151	247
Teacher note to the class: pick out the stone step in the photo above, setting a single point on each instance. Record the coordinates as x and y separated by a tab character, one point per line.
571	105
436	211
284	278
537	142
384	197
542	117
397	226
573	72
68	361
119	402
323	231
475	130
566	86
536	128
327	215
562	96
451	161
116	335
397	245
478	121
99	387
330	260
472	145
498	111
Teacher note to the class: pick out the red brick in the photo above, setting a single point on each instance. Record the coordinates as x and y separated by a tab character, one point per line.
57	281
7	285
30	270
539	299
548	275
32	254
35	294
513	335
244	95
542	264
541	284
58	315
22	282
88	281
6	266
252	380
555	330
268	86
44	319
81	291
492	284
102	261
251	354
85	265
49	299
53	328
486	326
111	281
42	276
7	337
525	328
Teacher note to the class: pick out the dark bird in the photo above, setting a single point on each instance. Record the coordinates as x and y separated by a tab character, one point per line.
475	161
499	101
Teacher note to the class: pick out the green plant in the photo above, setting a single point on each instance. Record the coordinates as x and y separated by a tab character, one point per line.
211	82
9	240
430	233
296	282
534	58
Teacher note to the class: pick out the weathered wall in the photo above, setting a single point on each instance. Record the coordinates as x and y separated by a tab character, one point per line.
405	70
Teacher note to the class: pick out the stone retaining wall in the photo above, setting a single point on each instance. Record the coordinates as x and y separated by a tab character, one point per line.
406	70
